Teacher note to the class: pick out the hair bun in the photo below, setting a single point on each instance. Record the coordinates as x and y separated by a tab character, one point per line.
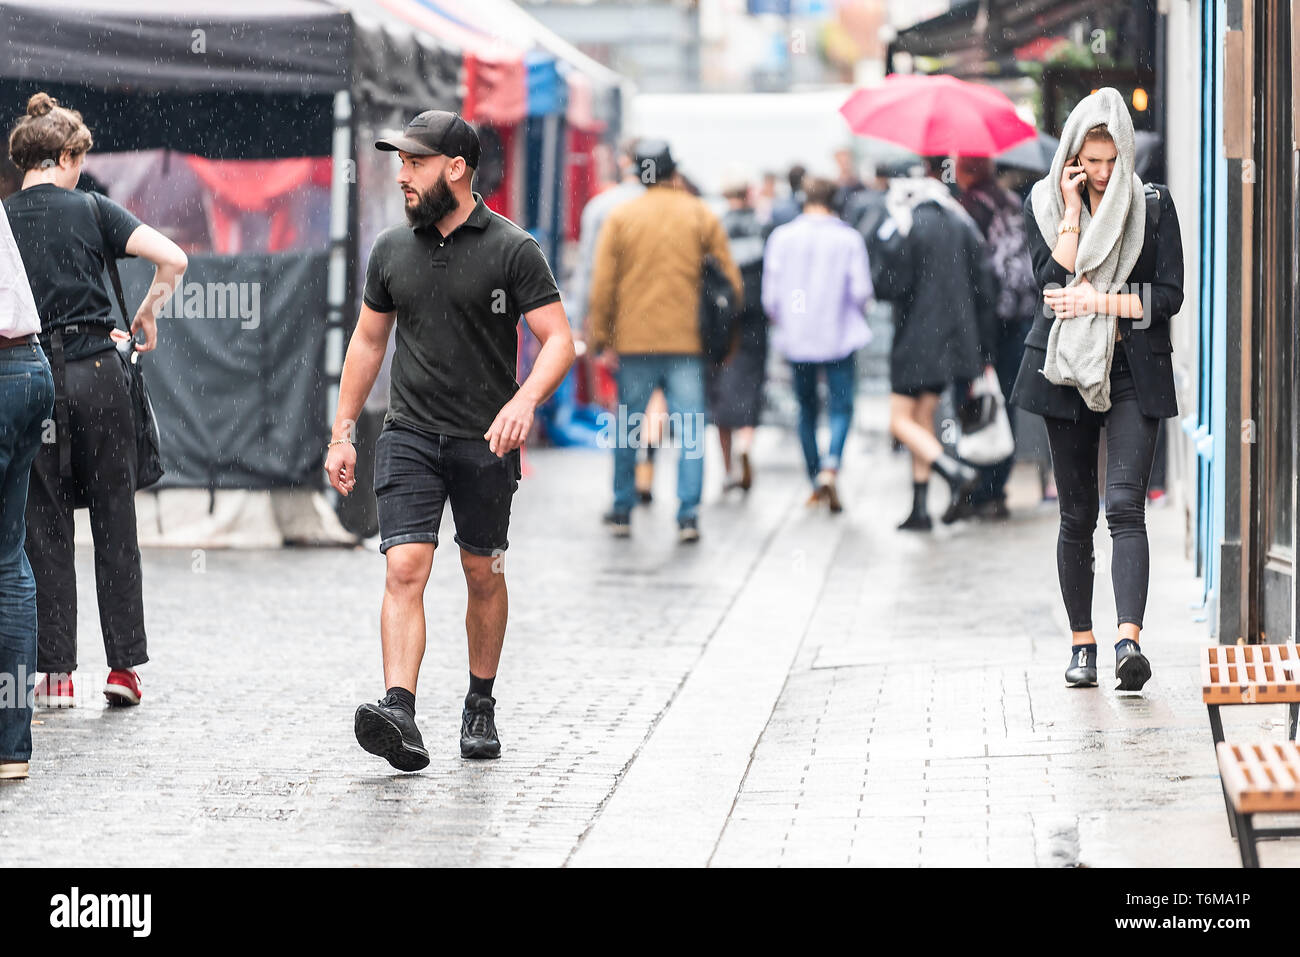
40	104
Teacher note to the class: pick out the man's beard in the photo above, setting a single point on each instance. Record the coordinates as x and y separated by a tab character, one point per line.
432	205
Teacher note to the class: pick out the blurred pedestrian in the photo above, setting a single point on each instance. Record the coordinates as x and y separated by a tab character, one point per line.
1001	221
594	214
598	208
928	258
67	238
736	385
816	284
789	206
454	280
26	403
1108	256
644	321
848	184
765	197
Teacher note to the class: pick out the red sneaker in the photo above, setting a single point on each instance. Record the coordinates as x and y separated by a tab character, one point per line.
55	691
123	688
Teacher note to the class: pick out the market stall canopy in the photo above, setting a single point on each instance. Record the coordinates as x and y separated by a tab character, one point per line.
236	79
290	46
559	78
995	28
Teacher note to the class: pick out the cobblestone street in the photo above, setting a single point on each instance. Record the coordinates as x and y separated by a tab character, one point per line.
796	690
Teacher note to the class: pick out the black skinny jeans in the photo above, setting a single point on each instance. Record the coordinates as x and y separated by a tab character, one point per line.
1130	451
102	425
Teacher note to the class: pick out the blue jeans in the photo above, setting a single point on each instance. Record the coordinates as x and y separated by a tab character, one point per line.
682	379
26	402
841	378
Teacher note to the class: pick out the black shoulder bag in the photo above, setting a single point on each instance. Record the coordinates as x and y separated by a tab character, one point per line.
149	467
717	310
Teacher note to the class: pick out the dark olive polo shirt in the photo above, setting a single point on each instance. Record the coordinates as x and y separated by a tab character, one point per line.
458	300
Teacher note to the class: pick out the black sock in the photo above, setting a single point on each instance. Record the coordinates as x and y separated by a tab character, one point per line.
481	686
920	491
403	699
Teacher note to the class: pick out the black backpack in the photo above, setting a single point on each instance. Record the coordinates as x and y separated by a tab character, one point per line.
717	310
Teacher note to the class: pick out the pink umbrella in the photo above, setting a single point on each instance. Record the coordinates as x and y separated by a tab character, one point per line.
937	115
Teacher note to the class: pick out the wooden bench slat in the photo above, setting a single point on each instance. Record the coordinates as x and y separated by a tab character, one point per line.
1250	674
1261	778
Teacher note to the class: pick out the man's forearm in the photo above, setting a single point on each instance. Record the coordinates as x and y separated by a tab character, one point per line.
360	368
551	366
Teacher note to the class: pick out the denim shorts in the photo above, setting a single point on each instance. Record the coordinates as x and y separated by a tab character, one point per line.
416	473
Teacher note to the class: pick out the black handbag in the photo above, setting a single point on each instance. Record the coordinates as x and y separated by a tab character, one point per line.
717	310
149	468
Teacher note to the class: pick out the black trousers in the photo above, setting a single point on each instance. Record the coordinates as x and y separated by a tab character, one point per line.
1130	450
101	431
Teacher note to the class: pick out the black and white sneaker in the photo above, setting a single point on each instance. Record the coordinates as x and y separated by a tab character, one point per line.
618	523
1082	672
688	531
1132	670
478	728
390	732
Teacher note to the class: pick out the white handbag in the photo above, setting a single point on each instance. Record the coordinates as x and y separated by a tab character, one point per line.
992	442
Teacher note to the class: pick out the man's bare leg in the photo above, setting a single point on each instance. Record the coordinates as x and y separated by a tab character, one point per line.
485	629
401	619
486	611
388	727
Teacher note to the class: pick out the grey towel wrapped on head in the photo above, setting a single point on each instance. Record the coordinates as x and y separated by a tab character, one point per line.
1079	350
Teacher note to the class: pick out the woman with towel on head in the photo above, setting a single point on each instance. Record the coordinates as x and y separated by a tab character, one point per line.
1108	256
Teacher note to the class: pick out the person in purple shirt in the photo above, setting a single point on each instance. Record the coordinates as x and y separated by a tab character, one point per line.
816	284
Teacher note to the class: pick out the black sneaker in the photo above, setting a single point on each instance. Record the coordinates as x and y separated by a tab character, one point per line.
390	732
916	523
1132	669
478	728
994	510
618	523
1082	672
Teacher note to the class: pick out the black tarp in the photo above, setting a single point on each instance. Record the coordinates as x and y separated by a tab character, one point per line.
290	46
261	86
238	391
1008	24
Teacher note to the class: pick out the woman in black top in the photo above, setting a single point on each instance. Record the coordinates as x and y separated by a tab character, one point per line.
1141	386
88	456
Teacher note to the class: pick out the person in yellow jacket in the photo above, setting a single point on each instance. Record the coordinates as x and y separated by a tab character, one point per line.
643	321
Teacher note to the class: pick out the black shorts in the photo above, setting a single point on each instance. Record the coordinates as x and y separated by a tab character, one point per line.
937	389
416	473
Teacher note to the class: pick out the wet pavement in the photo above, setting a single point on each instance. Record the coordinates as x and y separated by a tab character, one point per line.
797	689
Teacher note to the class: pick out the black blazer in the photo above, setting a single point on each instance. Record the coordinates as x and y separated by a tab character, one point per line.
1149	350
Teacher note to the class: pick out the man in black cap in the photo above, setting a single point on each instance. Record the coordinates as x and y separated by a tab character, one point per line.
454	281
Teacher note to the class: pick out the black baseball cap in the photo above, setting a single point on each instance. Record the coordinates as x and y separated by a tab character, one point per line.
436	133
654	155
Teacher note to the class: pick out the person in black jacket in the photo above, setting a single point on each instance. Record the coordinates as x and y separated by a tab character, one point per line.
928	258
1141	394
736	386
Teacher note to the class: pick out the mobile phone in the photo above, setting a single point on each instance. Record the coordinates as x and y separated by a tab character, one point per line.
1074	161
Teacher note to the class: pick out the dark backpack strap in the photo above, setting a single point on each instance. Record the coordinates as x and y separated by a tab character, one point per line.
1153	205
110	260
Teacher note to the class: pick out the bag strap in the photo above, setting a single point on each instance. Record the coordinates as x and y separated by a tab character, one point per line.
110	261
1152	196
